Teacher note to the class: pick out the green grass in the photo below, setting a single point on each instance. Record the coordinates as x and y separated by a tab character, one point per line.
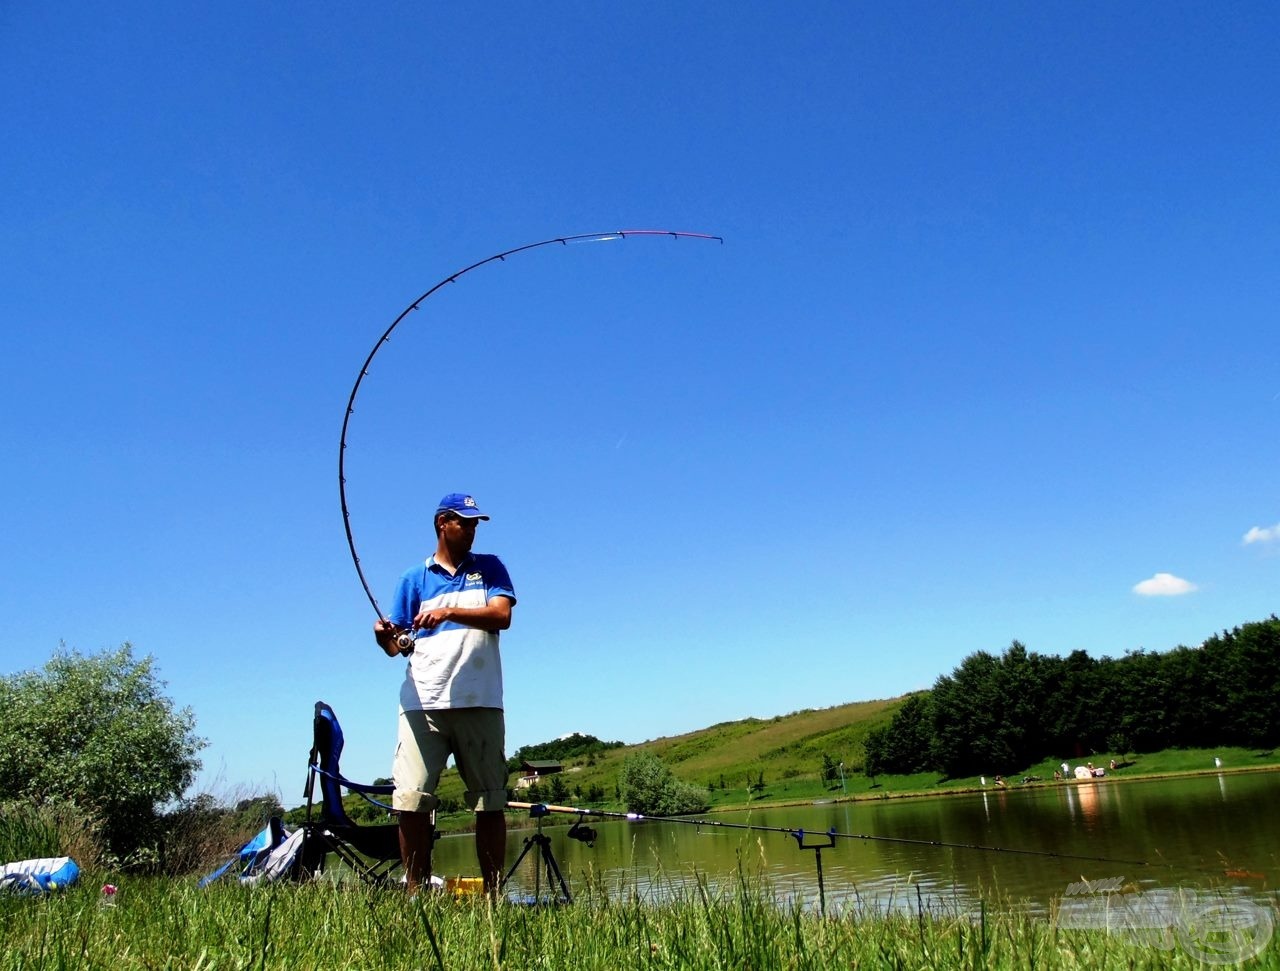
34	832
158	923
27	833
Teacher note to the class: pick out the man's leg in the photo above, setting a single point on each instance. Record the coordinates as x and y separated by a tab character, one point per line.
420	758
478	734
491	847
416	833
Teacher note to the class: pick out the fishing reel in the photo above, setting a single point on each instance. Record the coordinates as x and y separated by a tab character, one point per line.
398	641
581	833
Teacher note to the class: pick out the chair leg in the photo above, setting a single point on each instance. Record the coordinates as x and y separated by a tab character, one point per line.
311	860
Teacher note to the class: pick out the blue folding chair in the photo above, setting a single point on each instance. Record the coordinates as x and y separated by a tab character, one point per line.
372	852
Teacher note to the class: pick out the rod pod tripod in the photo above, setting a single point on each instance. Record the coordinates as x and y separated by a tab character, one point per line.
546	859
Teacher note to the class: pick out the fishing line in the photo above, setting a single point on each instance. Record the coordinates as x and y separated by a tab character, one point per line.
798	834
386	334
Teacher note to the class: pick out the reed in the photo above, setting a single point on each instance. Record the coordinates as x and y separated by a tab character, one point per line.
30	831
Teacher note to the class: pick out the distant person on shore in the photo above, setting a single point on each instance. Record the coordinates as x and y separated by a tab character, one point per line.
454	606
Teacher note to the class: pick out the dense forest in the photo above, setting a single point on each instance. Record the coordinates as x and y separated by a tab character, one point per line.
1003	714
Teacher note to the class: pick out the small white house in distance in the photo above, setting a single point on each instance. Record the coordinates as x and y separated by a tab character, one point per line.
533	771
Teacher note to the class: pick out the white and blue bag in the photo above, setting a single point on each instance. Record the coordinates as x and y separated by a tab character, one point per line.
39	876
270	856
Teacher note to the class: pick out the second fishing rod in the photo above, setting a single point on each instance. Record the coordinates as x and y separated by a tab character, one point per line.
800	834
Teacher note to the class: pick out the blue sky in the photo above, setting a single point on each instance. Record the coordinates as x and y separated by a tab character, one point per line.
988	352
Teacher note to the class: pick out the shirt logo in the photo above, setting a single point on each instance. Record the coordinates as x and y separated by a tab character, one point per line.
474	577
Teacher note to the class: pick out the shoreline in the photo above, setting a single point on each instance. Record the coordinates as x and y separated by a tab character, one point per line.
972	790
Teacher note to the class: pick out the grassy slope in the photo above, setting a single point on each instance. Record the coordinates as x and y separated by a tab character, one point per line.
787	749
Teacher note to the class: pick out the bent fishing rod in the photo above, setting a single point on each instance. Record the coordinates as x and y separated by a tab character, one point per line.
620	234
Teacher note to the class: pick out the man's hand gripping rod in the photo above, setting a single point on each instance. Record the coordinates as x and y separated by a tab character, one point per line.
394	641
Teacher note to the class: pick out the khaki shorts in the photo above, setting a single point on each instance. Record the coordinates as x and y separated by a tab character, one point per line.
473	736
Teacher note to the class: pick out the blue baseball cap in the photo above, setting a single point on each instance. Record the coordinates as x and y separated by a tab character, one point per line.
460	504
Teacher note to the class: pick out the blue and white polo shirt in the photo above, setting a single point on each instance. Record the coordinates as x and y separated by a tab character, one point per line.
453	666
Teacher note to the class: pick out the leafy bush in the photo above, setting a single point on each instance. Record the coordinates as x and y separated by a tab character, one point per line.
98	732
648	787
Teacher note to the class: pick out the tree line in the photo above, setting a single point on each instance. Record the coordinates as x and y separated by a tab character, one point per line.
1004	714
576	746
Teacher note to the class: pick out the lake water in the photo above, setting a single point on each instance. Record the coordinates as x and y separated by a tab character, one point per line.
1214	833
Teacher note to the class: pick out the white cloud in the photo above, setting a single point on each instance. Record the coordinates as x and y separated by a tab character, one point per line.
1164	585
1260	534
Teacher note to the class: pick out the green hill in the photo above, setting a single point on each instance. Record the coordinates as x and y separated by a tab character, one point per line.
787	751
731	759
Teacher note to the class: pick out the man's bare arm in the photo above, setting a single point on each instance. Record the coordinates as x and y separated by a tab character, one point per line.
495	615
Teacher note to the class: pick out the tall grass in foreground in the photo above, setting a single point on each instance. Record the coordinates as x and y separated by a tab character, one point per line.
55	829
157	923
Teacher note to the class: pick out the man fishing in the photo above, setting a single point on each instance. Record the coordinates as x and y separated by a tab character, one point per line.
452	607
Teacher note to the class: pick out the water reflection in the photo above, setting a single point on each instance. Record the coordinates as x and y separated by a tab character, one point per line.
1084	800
